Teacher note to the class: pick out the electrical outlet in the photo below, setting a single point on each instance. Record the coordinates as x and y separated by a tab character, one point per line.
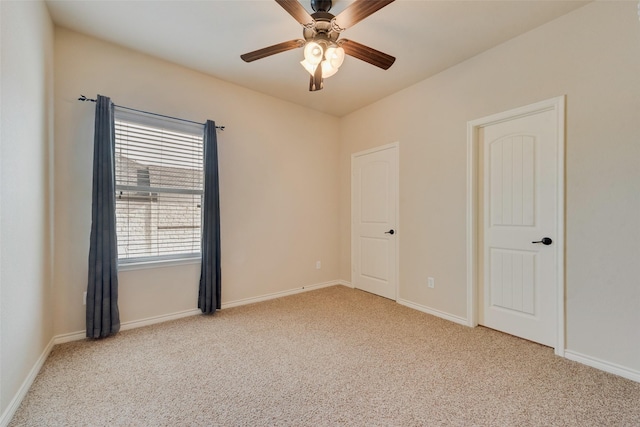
318	265
431	282
84	298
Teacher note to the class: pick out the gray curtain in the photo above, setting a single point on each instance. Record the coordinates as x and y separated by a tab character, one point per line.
209	294
103	317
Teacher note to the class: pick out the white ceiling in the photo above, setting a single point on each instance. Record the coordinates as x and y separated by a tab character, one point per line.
425	36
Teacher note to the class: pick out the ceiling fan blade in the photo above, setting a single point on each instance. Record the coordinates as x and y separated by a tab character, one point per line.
295	9
357	11
272	50
367	54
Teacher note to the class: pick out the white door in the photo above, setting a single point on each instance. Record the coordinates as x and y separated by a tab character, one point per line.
374	210
519	215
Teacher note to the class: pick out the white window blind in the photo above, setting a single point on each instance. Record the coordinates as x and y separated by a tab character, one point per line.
159	190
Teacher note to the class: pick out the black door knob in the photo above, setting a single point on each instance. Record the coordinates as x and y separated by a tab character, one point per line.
390	232
545	241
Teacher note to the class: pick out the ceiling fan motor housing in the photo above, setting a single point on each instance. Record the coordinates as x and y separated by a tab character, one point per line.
322	27
321	5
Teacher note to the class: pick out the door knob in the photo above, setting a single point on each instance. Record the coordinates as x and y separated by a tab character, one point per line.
545	241
390	232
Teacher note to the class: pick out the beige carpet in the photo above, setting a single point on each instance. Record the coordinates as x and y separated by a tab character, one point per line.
334	356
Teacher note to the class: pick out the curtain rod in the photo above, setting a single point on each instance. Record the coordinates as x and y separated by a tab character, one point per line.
84	98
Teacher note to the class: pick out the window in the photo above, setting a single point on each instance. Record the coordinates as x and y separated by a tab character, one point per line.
159	190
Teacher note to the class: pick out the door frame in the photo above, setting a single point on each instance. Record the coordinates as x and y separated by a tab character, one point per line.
558	106
396	273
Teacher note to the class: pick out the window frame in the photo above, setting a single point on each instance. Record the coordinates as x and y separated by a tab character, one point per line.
165	123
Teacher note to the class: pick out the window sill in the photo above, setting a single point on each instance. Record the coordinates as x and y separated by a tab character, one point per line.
157	264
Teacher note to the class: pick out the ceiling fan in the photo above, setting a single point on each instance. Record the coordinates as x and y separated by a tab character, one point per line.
323	52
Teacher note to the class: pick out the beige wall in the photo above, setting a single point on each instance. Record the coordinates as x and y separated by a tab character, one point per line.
25	214
593	56
278	181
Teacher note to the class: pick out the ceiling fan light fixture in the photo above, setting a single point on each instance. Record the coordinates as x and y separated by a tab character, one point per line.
329	66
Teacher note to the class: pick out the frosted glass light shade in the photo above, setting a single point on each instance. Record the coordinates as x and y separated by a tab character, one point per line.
313	53
335	56
311	68
327	69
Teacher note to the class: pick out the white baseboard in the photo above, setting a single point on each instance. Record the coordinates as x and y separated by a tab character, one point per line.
71	336
433	312
159	319
603	365
26	384
346	283
280	294
80	335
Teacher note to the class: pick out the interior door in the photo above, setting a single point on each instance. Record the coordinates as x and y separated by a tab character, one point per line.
518	277
374	210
